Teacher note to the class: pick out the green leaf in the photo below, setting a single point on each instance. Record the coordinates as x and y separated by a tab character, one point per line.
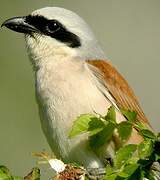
157	150
110	173
5	173
95	126
148	134
5	170
36	173
149	175
109	170
124	154
81	124
102	137
128	170
111	115
157	157
124	130
33	175
130	115
137	175
145	149
139	125
5	177
111	177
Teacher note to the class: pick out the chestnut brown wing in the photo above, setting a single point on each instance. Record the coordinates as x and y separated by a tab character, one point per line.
118	87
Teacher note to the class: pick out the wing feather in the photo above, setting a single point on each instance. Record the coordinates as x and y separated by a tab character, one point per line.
118	87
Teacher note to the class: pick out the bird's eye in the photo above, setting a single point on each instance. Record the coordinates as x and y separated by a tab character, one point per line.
52	26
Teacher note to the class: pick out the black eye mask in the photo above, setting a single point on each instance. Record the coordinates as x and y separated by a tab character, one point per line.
54	29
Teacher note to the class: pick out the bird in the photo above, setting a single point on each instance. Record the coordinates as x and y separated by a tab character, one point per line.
73	76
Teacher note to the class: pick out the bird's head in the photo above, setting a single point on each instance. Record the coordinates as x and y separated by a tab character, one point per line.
55	31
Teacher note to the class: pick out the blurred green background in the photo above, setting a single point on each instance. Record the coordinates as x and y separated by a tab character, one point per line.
129	32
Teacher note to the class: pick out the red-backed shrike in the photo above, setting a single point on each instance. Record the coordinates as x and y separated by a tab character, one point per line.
72	77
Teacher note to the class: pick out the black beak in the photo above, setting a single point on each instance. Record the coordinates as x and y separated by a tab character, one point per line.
20	25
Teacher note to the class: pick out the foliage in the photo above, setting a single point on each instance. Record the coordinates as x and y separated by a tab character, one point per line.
5	174
131	161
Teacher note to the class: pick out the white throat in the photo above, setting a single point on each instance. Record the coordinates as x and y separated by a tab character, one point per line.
41	48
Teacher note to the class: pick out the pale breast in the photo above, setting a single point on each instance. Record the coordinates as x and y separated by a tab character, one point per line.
63	94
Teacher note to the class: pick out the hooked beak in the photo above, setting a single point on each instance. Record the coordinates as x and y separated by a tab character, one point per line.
20	25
